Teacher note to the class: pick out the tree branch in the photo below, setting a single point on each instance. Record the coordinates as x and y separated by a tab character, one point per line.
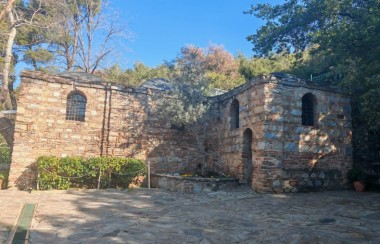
5	9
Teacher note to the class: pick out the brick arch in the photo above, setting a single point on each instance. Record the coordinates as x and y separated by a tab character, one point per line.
7	130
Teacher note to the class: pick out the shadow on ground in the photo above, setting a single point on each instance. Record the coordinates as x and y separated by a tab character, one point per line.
155	216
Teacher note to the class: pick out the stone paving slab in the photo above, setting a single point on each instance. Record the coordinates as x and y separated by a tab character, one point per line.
156	216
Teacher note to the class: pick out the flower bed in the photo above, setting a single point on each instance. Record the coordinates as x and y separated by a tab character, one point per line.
191	184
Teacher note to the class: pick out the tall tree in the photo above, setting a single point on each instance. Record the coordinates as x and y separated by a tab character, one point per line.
6	7
186	104
347	32
21	13
85	34
222	68
250	68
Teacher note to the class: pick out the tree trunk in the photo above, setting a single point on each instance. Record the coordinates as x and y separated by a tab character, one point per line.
201	147
71	56
6	92
6	8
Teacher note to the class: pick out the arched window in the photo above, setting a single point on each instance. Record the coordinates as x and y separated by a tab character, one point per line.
76	106
247	156
309	104
234	114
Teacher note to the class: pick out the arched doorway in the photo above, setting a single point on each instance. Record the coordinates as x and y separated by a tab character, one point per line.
247	157
309	104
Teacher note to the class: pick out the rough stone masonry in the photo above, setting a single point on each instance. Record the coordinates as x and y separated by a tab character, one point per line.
276	132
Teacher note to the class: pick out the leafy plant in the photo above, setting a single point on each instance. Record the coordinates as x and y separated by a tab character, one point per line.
68	172
357	174
4	178
5	154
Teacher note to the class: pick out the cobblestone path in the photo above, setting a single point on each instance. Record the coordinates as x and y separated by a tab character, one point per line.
156	216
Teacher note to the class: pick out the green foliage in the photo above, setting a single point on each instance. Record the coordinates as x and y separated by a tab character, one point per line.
220	70
4	177
38	57
370	104
186	103
250	68
223	81
344	37
5	152
357	174
136	76
64	173
4	174
141	73
219	67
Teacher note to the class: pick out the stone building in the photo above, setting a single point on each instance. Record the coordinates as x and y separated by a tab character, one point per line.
283	134
276	132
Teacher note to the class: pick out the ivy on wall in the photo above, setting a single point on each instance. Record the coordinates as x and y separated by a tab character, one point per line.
80	172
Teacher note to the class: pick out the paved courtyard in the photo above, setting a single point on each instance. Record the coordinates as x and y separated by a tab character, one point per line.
156	216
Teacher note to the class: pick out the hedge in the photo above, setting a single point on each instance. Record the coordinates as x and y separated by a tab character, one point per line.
80	172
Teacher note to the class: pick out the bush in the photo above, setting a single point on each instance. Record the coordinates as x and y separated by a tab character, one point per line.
357	174
69	172
4	178
5	154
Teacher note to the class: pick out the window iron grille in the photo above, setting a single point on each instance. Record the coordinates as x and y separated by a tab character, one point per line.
308	110
76	107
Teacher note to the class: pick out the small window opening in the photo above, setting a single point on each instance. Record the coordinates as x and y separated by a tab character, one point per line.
76	106
308	109
234	114
340	116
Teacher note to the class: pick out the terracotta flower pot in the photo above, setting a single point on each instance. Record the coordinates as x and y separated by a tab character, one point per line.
359	186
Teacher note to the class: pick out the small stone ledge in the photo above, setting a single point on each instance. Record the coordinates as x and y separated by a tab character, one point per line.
192	184
38	76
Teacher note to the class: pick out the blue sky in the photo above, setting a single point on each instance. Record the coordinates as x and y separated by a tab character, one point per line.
161	27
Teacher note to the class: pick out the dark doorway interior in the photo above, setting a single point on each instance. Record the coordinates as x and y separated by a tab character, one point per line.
247	156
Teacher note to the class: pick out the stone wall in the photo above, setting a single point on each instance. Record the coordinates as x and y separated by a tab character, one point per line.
270	149
286	155
226	144
117	123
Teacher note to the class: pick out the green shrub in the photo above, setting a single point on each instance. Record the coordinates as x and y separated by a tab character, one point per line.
357	174
4	177
68	172
5	154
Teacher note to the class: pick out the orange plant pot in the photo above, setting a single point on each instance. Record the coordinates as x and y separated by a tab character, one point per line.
359	186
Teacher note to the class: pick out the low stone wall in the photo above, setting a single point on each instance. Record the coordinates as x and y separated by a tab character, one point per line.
306	180
192	184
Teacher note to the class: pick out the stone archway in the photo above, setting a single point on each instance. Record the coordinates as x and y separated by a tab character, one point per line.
247	156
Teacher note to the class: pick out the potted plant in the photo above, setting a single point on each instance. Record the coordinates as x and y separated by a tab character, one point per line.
358	178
